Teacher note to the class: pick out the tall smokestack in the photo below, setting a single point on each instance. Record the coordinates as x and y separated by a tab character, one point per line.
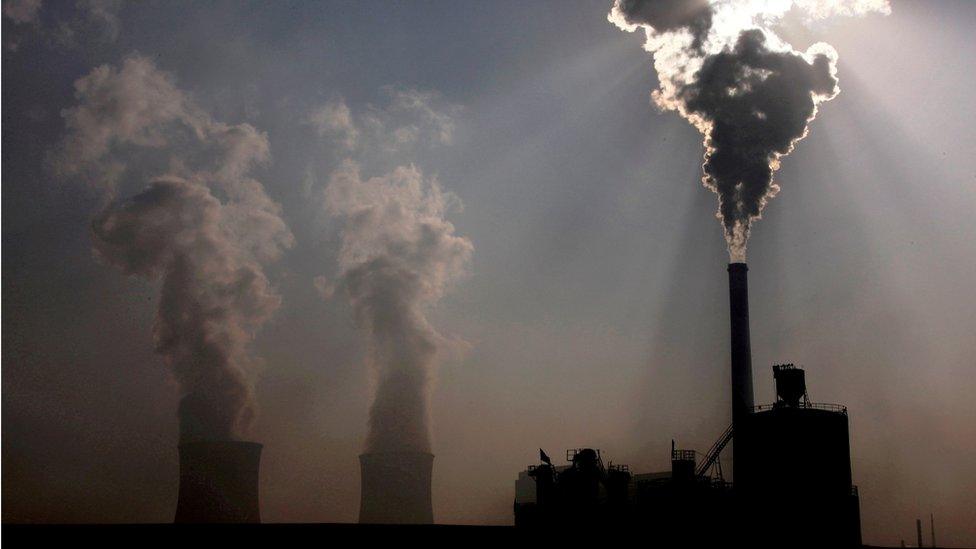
741	351
396	488
219	482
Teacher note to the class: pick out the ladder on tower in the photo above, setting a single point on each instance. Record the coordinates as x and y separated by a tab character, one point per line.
712	456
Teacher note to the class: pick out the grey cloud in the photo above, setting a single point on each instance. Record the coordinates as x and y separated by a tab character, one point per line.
22	11
104	14
77	22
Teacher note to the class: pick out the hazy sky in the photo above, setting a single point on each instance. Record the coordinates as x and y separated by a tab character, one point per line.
593	311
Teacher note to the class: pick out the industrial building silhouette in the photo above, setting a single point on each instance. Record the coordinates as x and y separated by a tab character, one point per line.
791	475
791	478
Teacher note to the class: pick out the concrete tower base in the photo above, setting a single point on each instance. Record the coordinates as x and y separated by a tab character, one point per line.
396	488
219	482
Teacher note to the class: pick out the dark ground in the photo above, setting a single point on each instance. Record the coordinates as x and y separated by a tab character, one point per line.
287	535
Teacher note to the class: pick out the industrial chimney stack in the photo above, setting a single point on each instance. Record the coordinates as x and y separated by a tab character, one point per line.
396	488
742	402
219	482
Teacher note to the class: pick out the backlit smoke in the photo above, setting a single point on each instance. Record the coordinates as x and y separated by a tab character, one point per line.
203	227
399	255
752	96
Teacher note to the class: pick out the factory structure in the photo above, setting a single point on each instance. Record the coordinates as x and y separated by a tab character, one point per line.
790	479
790	482
219	485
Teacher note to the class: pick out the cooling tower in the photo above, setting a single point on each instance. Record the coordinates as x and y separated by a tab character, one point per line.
219	482
396	488
741	352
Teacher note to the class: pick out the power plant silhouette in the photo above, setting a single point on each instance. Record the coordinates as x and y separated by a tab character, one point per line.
791	475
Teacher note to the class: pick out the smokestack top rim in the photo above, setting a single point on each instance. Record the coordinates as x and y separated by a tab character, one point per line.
197	443
738	266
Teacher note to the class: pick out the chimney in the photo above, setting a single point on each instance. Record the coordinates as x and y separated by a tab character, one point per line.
218	482
918	528
396	488
740	349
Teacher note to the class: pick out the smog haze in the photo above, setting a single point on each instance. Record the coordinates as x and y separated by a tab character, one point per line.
466	228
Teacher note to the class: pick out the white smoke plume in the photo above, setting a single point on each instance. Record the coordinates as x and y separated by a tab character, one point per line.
751	95
399	256
203	227
410	121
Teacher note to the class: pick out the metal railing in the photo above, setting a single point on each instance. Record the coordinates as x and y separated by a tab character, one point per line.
812	405
712	456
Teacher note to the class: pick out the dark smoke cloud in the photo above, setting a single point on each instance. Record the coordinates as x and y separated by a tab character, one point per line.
669	15
750	94
399	255
205	230
759	104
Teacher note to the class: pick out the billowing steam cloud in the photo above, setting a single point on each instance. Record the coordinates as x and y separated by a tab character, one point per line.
204	228
751	95
399	255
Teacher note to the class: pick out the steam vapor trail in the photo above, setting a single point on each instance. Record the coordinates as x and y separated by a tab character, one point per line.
399	255
399	252
204	228
750	94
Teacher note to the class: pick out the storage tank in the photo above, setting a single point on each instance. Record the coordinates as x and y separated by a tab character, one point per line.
793	471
